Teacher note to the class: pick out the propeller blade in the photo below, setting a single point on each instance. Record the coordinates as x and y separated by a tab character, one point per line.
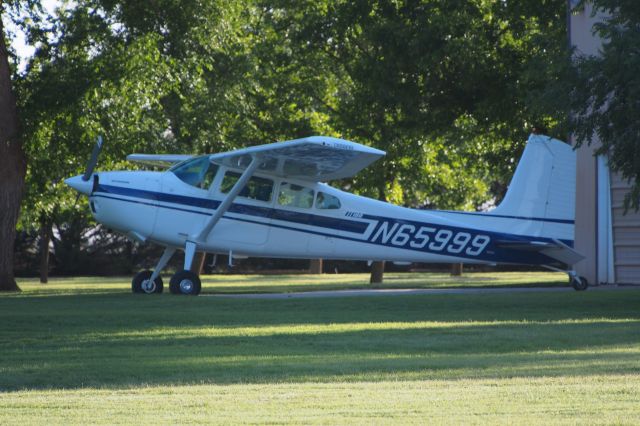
93	160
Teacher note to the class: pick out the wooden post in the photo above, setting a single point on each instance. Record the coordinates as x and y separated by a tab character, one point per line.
315	266
377	272
45	239
456	269
198	263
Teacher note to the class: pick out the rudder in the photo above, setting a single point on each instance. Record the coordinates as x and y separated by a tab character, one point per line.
543	186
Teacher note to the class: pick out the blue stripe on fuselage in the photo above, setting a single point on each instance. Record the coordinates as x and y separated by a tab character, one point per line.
357	227
502	216
492	253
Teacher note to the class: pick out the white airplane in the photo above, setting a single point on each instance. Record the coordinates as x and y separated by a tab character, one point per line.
270	201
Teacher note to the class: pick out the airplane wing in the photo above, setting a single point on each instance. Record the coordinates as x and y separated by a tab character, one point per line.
315	158
555	249
158	160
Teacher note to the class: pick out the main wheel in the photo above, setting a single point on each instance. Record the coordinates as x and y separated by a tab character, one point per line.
579	283
185	282
142	284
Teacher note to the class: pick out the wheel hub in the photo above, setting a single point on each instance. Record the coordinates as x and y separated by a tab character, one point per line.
148	286
186	286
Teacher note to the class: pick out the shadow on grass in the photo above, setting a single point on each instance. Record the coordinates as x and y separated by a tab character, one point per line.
123	340
213	284
309	283
263	289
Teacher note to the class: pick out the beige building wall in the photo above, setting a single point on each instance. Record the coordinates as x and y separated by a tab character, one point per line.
626	234
586	236
609	239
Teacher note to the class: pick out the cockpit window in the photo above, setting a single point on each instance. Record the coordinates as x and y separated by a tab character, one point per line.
256	189
295	195
326	201
198	172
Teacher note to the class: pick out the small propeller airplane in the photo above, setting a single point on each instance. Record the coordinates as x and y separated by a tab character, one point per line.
270	201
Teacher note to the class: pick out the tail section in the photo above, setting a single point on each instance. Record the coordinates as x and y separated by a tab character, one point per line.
542	195
543	187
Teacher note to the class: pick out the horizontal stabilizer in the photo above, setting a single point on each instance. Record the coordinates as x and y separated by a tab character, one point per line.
525	245
555	249
563	253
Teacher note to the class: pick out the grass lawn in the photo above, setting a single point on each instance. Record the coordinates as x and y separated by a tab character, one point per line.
86	351
307	282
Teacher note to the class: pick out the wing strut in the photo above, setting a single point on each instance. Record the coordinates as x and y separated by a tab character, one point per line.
201	237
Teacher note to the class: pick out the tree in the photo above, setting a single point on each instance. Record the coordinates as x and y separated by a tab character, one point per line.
173	77
81	82
443	86
12	166
605	90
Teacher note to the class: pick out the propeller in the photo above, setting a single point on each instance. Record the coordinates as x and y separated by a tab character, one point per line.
93	160
81	182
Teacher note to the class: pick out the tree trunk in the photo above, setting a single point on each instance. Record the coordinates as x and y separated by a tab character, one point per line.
456	269
377	268
45	239
315	266
377	272
12	169
130	258
198	263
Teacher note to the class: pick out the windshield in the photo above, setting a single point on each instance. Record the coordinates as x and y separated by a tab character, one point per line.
198	172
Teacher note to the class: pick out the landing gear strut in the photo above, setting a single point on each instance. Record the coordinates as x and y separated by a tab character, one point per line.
182	282
151	282
579	283
142	283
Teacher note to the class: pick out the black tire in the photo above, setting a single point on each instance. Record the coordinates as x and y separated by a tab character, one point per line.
185	282
579	283
138	283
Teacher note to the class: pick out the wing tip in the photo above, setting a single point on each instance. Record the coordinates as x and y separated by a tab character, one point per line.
329	140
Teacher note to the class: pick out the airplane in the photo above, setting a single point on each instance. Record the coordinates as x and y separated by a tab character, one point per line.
272	201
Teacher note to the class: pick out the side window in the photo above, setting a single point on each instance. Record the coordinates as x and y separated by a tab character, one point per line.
209	176
198	172
326	201
256	189
295	195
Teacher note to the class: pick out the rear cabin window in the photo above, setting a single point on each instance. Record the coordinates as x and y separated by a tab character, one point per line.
198	172
326	201
295	195
256	189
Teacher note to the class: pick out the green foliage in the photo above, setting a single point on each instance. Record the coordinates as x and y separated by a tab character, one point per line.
86	83
442	86
449	89
605	92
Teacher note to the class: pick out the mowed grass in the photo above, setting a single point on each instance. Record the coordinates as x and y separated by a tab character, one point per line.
308	282
86	351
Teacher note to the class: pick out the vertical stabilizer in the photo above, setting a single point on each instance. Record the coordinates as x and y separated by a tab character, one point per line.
543	187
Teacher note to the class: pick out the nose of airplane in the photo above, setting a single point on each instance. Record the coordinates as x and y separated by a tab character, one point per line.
82	186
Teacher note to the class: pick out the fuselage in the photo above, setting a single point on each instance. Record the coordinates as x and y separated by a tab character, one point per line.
280	217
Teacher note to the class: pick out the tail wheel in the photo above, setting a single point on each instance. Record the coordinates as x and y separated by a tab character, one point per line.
185	282
141	283
579	283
